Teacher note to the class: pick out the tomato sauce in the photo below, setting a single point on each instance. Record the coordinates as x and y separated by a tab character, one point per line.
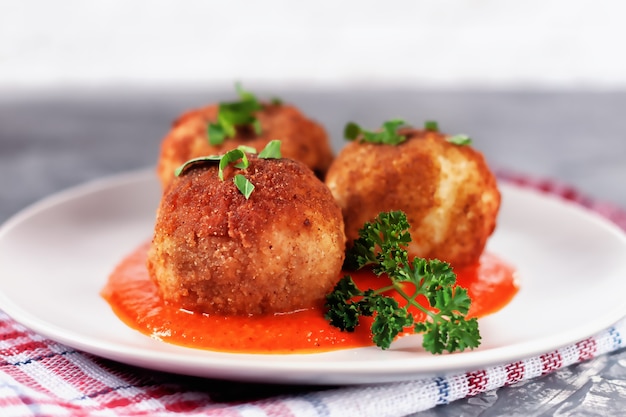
136	301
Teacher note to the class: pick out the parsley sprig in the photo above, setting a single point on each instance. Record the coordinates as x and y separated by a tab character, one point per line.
239	159
388	133
381	245
233	114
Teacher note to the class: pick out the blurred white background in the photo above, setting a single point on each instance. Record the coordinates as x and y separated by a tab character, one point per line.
540	84
438	43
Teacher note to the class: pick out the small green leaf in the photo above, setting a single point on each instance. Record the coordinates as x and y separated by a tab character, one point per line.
233	114
390	126
235	156
386	135
243	94
431	126
256	125
243	164
183	167
271	150
247	149
461	140
216	134
393	137
243	185
232	156
351	131
227	120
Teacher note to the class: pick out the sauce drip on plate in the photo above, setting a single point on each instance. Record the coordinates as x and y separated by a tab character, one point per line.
136	301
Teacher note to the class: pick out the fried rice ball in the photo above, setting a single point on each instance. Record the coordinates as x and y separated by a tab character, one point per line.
280	250
302	139
447	191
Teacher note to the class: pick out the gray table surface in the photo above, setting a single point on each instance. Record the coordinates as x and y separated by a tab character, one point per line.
50	141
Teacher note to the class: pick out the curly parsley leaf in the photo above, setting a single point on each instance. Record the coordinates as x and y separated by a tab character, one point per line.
381	244
455	334
390	320
390	232
387	134
343	312
233	114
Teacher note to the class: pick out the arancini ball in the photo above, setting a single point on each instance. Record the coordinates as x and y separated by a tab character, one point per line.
216	251
302	138
447	191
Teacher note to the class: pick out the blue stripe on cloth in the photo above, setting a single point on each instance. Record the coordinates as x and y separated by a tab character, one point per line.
108	390
321	408
616	337
41	357
443	389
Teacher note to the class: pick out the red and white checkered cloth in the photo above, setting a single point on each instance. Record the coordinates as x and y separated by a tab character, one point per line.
39	377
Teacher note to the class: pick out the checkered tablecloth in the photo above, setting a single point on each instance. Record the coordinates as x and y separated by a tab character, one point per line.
39	377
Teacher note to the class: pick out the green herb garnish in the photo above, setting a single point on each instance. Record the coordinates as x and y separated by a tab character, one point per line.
388	133
271	150
233	114
240	160
233	156
461	140
243	185
381	244
196	161
431	126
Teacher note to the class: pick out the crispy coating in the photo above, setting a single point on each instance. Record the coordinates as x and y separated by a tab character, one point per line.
302	139
447	191
281	250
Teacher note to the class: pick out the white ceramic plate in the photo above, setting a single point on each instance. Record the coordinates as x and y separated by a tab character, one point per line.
56	255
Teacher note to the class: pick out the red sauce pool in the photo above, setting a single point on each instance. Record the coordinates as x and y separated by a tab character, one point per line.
136	301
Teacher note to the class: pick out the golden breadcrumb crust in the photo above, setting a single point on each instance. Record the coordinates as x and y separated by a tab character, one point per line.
214	251
302	139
